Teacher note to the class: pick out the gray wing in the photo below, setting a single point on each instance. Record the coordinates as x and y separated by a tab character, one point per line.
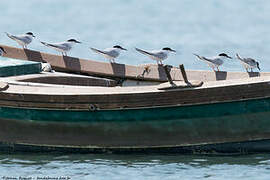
144	52
98	51
210	60
249	61
22	38
160	55
111	52
108	52
155	54
204	58
62	46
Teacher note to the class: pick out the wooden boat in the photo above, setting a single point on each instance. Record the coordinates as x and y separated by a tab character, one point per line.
133	110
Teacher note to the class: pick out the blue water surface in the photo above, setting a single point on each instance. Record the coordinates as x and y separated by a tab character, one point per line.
134	167
206	27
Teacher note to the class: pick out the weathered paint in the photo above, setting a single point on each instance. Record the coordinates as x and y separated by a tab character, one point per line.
12	67
156	114
155	129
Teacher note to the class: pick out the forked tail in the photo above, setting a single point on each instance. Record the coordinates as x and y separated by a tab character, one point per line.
200	57
143	52
10	36
97	51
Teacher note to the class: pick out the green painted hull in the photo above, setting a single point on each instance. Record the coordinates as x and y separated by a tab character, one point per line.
157	114
160	129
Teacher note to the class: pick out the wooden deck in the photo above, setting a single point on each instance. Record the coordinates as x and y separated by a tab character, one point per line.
61	79
39	95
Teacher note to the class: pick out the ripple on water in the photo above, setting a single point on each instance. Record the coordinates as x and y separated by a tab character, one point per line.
138	167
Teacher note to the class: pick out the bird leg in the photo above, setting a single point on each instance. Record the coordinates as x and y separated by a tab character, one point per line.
212	67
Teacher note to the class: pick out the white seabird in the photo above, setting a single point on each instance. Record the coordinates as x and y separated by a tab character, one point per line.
62	47
248	63
157	55
23	39
216	61
110	53
2	51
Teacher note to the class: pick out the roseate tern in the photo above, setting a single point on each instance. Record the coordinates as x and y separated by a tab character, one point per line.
23	39
110	53
157	55
62	47
216	61
248	63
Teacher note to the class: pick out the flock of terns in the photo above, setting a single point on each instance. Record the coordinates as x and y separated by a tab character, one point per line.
112	53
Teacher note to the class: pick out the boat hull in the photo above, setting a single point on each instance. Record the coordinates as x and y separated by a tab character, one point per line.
230	148
187	129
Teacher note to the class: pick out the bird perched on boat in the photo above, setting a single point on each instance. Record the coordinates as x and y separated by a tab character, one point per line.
62	47
216	61
110	53
2	51
23	39
157	55
248	63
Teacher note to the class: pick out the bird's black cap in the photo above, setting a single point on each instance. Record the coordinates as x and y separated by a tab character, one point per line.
73	40
168	49
119	47
225	55
30	33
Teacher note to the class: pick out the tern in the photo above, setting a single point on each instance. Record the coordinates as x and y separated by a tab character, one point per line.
23	39
248	63
2	51
110	53
216	61
62	47
157	55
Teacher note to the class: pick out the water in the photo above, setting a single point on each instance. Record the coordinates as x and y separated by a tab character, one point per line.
206	27
122	167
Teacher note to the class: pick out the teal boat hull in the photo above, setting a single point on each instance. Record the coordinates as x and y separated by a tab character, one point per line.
201	128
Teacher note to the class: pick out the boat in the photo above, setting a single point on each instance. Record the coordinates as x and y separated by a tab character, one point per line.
88	106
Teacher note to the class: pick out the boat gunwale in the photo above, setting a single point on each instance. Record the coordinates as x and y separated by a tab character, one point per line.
136	89
135	108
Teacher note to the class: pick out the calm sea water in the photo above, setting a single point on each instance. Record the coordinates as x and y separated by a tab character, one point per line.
206	27
150	167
